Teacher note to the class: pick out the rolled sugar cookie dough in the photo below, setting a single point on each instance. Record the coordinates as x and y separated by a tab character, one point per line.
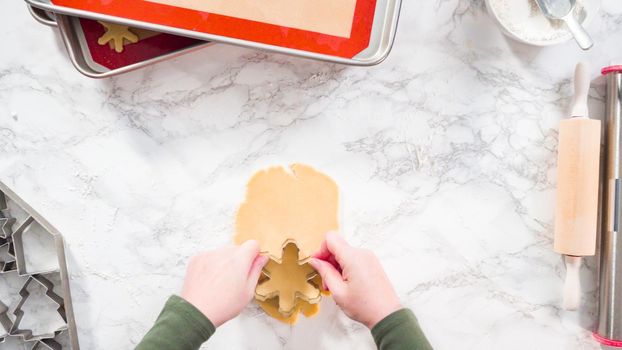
299	205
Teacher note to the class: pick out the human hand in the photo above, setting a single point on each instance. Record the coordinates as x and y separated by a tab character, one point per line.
356	280
221	282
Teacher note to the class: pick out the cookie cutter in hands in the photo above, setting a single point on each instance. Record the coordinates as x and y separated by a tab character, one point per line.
58	293
311	299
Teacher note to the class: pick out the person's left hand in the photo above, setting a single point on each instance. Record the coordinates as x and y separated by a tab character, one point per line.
221	282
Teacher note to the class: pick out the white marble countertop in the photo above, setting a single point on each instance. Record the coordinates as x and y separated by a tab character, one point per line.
445	156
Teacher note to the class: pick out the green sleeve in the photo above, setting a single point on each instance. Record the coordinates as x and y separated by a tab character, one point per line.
180	326
400	331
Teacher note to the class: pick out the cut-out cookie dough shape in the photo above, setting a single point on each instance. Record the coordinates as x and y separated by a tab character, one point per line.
116	34
298	205
289	281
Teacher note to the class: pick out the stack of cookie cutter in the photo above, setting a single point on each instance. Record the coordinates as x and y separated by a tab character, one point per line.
70	32
59	294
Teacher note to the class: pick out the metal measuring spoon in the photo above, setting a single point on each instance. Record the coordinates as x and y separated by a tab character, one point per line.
563	10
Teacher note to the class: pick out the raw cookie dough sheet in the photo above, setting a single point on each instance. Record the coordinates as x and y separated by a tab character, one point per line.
299	206
288	211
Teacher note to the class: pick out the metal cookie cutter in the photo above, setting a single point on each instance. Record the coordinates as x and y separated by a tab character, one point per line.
6	241
309	293
9	264
5	322
57	292
27	334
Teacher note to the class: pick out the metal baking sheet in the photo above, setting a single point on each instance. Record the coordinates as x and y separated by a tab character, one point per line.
382	35
42	16
78	50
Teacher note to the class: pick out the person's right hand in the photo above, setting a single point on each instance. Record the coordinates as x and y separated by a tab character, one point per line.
356	280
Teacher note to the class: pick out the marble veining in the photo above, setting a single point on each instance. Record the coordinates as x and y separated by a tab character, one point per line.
445	156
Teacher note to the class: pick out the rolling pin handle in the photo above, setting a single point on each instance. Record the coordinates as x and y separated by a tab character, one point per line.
572	285
581	90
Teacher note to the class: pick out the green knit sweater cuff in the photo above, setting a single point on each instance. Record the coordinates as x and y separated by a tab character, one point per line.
180	326
203	327
400	330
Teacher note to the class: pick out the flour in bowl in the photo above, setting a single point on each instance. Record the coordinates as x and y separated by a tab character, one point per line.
523	19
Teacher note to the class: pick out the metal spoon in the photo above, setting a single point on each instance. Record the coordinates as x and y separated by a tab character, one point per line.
564	10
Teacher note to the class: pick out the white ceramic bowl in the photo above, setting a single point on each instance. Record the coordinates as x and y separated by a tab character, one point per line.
591	10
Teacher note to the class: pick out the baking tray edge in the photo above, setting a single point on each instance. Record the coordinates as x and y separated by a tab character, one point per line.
74	50
387	38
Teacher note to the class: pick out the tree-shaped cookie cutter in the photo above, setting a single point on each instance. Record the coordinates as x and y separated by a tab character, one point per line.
309	293
5	322
27	334
58	293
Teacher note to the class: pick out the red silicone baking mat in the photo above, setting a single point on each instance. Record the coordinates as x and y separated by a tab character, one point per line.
154	46
264	33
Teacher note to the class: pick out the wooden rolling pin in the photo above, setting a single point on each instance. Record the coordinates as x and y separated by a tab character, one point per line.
576	211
